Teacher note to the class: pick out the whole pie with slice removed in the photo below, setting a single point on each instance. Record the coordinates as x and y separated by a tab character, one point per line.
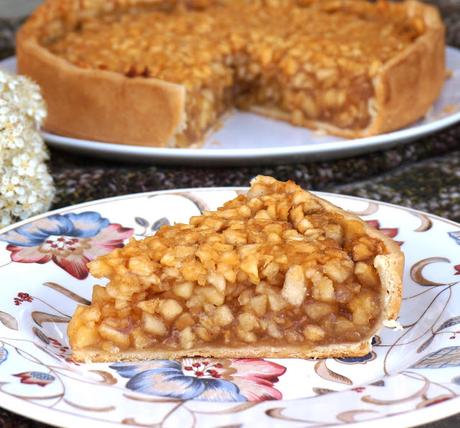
163	72
276	272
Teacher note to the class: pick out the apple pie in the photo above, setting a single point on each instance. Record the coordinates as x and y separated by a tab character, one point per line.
276	272
163	72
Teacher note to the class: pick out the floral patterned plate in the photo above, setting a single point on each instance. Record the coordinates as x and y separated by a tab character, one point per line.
412	376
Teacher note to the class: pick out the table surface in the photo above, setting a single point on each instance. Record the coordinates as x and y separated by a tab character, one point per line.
424	175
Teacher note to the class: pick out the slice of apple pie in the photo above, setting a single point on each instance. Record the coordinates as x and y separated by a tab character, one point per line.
277	272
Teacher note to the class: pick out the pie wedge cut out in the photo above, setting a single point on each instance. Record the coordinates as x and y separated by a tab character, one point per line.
276	272
163	72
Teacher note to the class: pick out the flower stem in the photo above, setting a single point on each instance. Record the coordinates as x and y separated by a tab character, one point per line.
52	307
6	264
171	412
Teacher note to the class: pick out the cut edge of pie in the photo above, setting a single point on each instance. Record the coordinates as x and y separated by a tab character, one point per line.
405	87
104	105
389	268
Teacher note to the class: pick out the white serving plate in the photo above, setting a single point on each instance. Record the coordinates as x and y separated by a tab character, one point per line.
411	377
247	138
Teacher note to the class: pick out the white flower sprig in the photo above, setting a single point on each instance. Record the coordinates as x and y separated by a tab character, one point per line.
26	188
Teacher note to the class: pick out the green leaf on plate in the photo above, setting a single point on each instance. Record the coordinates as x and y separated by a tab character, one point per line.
141	221
42	317
70	294
8	321
449	323
445	357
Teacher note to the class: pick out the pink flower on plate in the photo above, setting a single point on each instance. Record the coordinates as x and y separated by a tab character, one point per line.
22	297
69	240
35	378
255	378
204	379
391	232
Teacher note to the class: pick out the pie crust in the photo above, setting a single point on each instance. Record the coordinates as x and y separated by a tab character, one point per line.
108	106
201	331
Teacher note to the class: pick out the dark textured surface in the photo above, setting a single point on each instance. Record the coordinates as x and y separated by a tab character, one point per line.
388	175
423	175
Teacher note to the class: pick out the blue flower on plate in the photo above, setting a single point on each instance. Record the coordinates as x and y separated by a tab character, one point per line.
455	236
35	378
3	355
69	240
166	378
203	379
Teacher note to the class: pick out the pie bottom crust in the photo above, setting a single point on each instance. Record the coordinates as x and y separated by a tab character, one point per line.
330	351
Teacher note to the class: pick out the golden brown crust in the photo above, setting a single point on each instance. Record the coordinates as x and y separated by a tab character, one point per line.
289	351
409	84
103	106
